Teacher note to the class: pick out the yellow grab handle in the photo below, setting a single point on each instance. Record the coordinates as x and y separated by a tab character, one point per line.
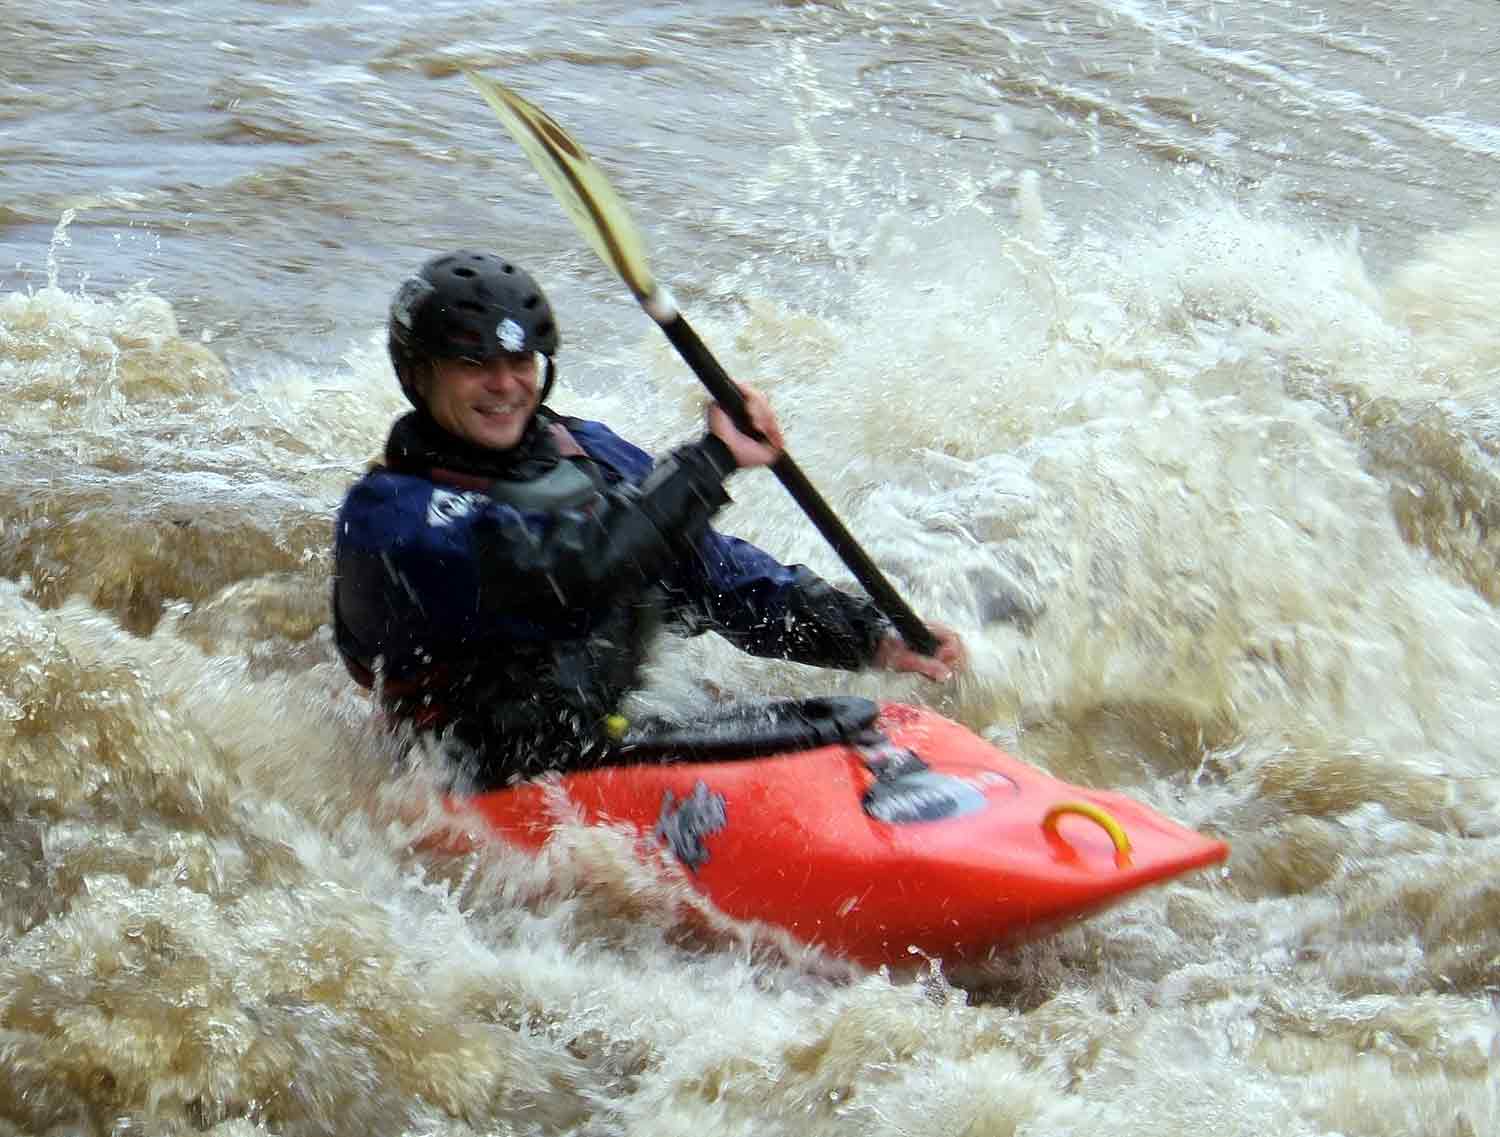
1098	815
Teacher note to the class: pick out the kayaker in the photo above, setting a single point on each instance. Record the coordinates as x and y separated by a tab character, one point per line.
500	576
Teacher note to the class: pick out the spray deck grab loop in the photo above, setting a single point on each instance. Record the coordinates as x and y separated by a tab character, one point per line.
1097	814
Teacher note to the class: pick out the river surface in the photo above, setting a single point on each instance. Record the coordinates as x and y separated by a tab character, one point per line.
1152	345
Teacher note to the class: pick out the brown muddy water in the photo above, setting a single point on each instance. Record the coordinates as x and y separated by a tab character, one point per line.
1151	345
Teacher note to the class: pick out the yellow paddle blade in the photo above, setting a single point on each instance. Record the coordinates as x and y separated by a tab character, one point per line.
589	199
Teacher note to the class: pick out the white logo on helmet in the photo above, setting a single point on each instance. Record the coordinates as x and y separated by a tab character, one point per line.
413	290
511	335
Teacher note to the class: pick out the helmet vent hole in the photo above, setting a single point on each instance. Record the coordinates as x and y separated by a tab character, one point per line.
507	268
530	302
465	272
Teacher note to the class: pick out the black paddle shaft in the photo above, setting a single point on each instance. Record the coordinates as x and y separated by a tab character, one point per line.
727	395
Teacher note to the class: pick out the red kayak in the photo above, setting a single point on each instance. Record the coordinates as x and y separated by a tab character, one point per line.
869	830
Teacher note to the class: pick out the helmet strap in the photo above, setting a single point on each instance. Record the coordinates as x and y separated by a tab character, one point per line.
415	376
547	379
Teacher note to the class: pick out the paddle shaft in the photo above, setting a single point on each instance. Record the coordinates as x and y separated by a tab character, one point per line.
727	395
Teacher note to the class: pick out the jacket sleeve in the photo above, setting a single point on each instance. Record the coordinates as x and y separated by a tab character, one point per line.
773	610
551	565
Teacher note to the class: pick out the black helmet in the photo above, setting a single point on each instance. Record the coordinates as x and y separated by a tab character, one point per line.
470	305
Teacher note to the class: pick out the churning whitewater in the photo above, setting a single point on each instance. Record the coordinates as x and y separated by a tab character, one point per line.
1150	345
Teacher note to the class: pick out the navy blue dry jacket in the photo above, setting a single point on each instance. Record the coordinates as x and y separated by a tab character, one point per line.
511	613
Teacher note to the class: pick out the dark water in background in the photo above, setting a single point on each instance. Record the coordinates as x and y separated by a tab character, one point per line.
1168	326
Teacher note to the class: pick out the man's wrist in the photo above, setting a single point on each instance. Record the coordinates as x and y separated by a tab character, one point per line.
717	451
